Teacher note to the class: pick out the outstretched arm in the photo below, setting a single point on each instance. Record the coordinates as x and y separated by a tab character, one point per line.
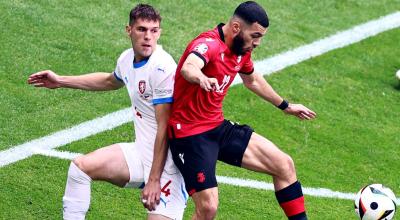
257	84
152	190
93	81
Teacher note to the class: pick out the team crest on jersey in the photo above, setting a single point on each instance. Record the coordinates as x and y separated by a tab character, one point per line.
201	48
142	86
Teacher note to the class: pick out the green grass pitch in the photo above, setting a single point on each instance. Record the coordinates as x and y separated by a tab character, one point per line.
353	142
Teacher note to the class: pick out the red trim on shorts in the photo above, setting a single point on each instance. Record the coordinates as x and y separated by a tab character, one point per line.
191	192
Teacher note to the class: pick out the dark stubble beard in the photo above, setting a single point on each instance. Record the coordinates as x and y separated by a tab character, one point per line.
238	44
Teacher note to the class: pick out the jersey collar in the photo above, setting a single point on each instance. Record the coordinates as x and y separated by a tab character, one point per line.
220	32
141	63
225	47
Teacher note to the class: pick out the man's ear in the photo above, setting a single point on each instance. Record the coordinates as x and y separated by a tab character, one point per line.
236	27
159	33
128	29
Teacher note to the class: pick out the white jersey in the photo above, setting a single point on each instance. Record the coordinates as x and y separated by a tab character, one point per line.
149	82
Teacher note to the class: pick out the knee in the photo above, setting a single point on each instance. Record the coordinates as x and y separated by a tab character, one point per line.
286	166
207	209
85	166
81	163
76	175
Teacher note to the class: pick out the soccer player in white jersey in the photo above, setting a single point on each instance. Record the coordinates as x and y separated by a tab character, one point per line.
147	71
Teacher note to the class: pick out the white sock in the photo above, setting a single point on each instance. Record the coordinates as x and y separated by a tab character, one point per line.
76	198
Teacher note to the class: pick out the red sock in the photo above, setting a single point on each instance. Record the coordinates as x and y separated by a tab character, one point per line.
291	200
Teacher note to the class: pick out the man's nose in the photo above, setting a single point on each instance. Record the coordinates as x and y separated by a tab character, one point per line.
147	35
256	43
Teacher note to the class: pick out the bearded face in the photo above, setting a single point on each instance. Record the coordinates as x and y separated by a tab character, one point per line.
238	44
248	38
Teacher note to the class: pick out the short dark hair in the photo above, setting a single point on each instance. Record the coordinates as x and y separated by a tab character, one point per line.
251	12
144	11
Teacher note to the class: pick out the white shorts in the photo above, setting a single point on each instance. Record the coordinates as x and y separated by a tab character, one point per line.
173	196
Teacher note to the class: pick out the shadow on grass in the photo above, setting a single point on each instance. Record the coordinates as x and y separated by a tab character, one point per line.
396	86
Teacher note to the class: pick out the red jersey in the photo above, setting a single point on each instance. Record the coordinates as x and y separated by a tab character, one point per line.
195	110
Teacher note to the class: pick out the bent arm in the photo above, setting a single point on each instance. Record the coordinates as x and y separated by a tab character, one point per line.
191	71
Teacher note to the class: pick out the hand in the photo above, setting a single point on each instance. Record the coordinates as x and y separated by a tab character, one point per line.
151	195
209	84
46	78
300	111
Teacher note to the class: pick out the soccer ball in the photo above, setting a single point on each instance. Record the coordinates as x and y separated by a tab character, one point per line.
398	74
375	202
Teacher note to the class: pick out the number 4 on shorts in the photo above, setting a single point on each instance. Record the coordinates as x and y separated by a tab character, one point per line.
166	190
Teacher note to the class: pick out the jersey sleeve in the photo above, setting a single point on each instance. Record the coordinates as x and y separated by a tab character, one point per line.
204	48
162	83
117	72
248	66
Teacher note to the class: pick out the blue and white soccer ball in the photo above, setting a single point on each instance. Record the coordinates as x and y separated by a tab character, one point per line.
398	74
375	202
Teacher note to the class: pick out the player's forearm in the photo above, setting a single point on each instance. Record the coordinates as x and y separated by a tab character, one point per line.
92	82
159	155
263	89
160	152
192	73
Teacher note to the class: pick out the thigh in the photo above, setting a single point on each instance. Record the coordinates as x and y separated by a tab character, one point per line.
173	196
262	155
135	165
107	163
234	139
196	157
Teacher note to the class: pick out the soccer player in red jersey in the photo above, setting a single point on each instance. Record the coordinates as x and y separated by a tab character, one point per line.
198	133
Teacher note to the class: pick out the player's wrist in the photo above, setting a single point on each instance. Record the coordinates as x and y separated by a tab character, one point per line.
284	105
61	81
200	78
154	179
